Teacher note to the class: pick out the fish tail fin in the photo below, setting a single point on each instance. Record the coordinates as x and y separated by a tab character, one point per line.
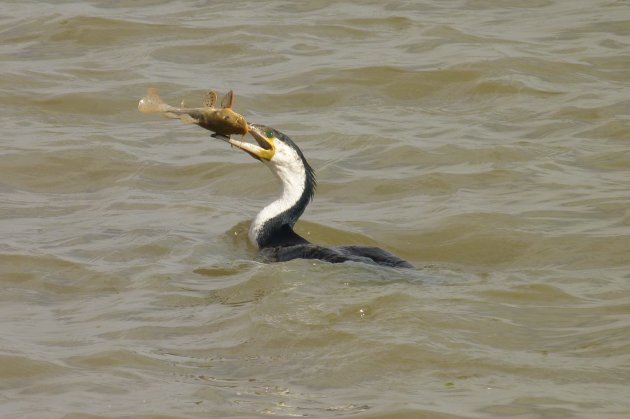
153	103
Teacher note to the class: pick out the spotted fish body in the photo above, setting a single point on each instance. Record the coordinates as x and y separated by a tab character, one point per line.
221	120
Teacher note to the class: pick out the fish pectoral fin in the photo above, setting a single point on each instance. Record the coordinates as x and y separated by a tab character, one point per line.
228	100
187	119
184	117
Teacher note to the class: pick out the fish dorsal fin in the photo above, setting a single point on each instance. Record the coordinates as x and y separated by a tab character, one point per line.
210	99
228	100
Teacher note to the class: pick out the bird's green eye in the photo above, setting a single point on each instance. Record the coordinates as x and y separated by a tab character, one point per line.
269	134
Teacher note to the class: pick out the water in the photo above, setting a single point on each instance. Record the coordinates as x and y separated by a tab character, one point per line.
484	141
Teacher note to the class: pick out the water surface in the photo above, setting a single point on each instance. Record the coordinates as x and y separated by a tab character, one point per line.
484	141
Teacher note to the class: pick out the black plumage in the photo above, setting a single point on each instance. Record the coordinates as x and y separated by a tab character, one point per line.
272	230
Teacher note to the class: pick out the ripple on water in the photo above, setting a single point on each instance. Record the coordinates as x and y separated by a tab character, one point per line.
484	143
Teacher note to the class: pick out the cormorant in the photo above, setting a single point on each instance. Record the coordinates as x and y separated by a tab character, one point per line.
272	229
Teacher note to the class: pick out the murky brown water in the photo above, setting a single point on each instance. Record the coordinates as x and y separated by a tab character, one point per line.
485	141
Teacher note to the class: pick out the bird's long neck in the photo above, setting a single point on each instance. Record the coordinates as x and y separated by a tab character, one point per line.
273	226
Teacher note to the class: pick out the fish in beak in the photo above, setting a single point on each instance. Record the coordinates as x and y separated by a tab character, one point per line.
221	120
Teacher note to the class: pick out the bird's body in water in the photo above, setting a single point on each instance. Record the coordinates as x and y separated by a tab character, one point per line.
272	229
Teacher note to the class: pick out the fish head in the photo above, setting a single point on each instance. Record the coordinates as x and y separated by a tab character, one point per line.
224	121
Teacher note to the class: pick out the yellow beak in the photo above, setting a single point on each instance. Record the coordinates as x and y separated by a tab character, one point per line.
265	149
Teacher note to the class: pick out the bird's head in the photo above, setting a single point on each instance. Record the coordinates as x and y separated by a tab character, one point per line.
285	160
283	157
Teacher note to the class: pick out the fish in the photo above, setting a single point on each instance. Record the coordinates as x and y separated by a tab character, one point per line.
223	121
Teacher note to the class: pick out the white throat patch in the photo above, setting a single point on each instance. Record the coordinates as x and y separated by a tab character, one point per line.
287	165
